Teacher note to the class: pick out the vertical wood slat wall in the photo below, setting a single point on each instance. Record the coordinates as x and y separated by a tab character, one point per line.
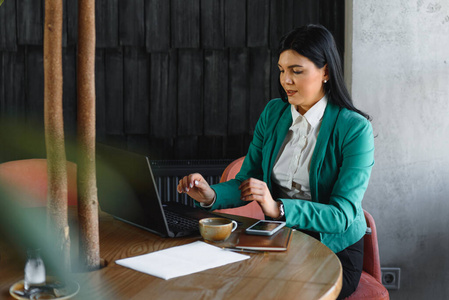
177	79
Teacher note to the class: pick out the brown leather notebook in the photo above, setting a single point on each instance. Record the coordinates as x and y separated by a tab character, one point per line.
277	242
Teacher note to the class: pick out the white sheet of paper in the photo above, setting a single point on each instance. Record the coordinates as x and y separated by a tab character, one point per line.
181	260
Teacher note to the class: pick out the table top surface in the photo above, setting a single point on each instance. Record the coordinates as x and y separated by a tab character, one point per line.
308	270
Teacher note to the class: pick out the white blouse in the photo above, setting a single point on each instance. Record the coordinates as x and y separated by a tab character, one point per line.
292	166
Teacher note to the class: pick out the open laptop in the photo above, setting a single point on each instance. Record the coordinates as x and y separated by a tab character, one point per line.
127	190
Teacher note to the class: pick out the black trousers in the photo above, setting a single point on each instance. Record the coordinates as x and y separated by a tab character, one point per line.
351	260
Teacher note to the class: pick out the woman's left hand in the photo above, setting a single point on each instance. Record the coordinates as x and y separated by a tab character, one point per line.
257	190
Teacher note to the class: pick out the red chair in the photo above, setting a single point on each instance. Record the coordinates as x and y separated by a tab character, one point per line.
370	285
29	176
252	209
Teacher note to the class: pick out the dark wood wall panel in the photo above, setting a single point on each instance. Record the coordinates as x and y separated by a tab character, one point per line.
211	147
136	82
2	88
190	81
186	147
30	16
212	24
131	22
185	23
331	16
274	75
172	86
237	145
71	14
238	120
8	38
107	23
34	83
259	14
235	23
116	140
64	23
69	90
177	79
157	25
161	148
14	102
163	104
114	91
281	20
259	83
138	143
215	92
100	94
306	12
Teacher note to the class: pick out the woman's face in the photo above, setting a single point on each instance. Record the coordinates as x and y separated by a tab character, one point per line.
301	79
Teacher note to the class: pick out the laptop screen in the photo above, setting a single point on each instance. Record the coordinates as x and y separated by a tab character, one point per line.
126	188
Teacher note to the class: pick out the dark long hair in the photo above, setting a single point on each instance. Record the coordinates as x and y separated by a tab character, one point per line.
317	44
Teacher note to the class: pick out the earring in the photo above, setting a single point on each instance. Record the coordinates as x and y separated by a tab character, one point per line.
325	80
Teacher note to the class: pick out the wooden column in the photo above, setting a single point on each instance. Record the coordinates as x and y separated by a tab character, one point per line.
54	130
87	184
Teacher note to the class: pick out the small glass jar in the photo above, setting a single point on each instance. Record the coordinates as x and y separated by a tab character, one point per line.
34	269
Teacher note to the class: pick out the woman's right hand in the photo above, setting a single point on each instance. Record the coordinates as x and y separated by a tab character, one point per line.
196	187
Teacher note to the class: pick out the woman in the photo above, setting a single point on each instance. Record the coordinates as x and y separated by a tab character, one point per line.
311	156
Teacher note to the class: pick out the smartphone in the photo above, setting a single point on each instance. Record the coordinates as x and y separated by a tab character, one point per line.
264	227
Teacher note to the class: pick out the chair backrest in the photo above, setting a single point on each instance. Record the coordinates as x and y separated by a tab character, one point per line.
252	209
371	260
232	169
30	177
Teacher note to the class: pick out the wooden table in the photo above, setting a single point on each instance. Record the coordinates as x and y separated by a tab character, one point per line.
308	270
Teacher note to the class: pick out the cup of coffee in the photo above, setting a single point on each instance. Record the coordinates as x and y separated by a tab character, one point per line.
216	229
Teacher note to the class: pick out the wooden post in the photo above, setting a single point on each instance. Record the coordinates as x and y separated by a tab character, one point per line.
87	185
54	131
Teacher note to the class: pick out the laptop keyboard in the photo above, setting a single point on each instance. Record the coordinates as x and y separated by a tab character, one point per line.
180	223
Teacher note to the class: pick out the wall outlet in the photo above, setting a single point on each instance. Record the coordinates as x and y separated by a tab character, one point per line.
391	278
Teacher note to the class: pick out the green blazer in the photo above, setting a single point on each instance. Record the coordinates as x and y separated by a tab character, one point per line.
339	172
